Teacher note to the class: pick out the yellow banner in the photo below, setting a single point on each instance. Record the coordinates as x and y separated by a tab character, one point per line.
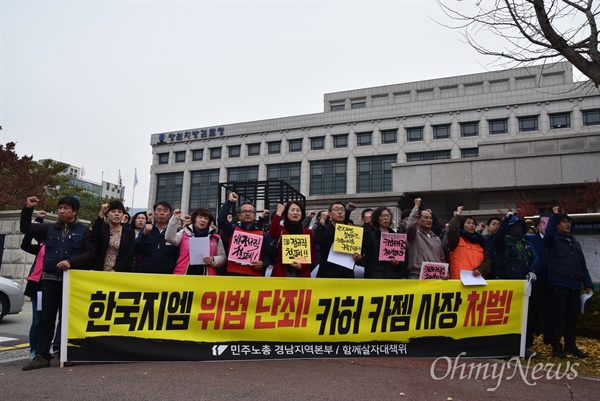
296	248
223	309
347	239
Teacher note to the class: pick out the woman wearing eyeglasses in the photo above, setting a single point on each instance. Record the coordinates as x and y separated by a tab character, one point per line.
381	220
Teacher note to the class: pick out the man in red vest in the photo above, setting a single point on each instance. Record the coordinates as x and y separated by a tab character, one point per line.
245	225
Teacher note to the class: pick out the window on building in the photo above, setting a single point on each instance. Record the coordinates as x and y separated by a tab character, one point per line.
169	187
560	120
469	152
364	138
441	131
254	149
469	129
498	126
204	190
328	177
163	158
246	173
317	143
274	147
426	156
235	151
294	145
288	172
340	141
215	153
529	123
180	157
374	174
359	104
591	117
197	154
337	107
389	136
414	134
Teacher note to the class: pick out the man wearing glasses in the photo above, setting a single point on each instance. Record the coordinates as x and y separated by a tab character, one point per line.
324	237
246	223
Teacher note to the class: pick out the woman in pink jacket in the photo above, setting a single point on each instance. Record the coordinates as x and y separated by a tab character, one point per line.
202	220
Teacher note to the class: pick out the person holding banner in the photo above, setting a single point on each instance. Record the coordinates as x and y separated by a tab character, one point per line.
248	244
467	247
291	237
336	266
201	250
393	264
423	244
69	245
115	242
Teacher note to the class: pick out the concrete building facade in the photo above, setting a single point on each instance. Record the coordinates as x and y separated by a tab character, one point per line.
469	140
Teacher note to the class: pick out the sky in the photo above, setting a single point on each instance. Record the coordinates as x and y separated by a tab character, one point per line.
88	82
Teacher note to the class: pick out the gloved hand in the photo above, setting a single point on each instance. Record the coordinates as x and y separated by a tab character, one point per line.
531	277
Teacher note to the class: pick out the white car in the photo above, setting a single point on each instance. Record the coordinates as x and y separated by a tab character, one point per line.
11	297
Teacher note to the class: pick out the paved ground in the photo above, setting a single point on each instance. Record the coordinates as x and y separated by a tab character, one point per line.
359	379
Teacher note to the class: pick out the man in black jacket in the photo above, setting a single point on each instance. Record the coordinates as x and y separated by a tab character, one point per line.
69	245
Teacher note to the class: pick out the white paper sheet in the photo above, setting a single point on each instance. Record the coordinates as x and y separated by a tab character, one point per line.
467	278
585	297
199	248
342	259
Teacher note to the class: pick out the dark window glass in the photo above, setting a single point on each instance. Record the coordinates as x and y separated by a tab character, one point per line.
374	174
340	141
426	156
234	151
163	158
560	120
389	136
180	157
441	131
498	126
359	105
469	129
337	107
254	149
317	143
168	188
288	172
274	147
295	145
204	190
528	123
414	134
328	177
247	173
469	152
197	154
364	138
215	153
591	117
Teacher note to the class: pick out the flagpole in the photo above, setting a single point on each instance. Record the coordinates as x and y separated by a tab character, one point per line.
133	191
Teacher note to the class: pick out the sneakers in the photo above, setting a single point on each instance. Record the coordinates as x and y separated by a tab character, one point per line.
576	352
37	362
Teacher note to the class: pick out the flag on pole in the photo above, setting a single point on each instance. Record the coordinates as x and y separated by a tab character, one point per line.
135	180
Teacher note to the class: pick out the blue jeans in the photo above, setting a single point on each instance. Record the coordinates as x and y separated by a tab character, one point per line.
36	319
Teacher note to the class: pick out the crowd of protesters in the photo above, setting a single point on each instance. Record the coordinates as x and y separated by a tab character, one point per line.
160	241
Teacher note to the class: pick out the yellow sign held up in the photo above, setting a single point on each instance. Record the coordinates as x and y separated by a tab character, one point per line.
296	248
348	239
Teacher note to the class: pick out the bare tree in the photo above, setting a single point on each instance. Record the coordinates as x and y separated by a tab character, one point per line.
534	30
